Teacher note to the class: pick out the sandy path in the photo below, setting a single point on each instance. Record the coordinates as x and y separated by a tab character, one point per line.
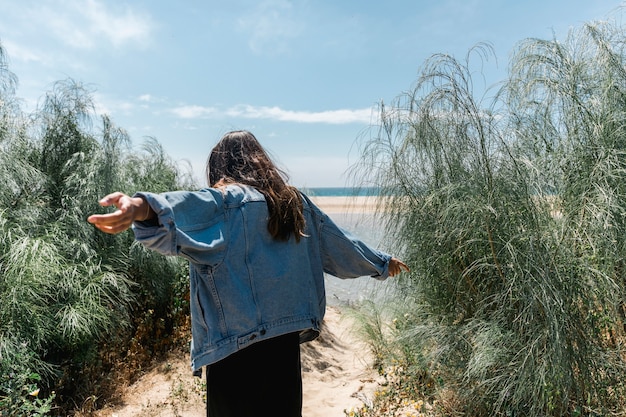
336	374
335	378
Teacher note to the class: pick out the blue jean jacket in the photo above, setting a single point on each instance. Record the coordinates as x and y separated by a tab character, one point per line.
246	286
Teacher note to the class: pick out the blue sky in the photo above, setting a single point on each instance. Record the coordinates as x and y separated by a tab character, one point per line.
305	76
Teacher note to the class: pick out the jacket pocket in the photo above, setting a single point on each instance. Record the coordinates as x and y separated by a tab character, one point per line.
207	313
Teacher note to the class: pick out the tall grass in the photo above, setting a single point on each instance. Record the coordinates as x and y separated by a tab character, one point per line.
510	204
73	301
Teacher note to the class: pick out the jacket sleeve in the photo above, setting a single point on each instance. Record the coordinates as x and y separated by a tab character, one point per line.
343	254
188	224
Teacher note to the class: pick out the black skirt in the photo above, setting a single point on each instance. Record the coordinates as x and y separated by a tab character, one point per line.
265	378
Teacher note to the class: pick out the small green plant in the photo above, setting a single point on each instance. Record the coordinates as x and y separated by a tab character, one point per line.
20	387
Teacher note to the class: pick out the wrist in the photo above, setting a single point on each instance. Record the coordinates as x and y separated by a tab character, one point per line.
143	211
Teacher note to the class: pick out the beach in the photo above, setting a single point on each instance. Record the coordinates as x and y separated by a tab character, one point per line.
346	204
336	376
336	367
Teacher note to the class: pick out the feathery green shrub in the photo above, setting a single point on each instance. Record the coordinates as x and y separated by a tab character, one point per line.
510	209
73	300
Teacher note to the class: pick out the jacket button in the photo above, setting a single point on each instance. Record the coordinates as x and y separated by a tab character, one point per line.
252	337
263	331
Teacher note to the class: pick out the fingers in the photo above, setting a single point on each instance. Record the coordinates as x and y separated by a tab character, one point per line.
396	266
111	223
117	221
108	229
109	219
111	199
404	267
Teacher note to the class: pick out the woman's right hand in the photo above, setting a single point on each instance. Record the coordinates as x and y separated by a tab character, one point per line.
129	209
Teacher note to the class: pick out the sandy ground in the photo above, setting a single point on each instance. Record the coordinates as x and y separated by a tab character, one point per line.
353	205
335	374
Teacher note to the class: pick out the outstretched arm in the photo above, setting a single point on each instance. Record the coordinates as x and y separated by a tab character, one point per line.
396	266
129	210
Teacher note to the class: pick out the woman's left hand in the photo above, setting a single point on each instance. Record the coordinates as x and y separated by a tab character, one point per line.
396	266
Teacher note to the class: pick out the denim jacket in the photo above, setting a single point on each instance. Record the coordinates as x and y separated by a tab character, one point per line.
246	286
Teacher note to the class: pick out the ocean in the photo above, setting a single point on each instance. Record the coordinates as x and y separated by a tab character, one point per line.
366	227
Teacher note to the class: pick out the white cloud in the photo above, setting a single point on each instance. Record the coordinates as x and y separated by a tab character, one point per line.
78	23
119	28
271	25
193	112
15	51
342	116
105	104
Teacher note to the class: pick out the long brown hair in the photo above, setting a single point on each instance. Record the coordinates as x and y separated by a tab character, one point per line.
239	158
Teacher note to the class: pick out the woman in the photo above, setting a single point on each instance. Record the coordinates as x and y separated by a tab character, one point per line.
257	250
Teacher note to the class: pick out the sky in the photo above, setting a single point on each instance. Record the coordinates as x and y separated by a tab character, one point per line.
305	76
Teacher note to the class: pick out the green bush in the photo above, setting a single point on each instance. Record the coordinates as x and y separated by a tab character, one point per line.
511	210
73	300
